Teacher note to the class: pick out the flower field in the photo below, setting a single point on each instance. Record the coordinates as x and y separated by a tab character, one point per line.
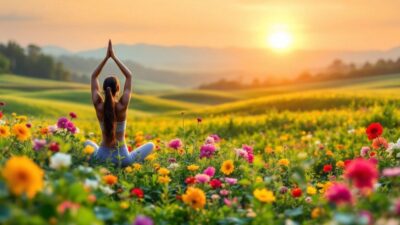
307	167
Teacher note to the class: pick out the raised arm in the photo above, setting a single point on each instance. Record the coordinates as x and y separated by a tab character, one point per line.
126	95
95	86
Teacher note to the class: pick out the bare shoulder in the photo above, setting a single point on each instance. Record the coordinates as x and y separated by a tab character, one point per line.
99	110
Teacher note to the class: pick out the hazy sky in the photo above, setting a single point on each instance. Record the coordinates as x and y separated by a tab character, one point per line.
83	24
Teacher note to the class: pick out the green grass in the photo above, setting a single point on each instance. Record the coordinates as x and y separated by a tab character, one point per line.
201	97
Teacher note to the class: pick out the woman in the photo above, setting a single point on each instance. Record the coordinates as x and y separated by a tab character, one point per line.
111	113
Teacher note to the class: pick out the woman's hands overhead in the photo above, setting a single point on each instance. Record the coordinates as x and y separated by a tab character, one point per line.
110	50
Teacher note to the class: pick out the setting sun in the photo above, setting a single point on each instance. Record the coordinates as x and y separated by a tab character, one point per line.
280	40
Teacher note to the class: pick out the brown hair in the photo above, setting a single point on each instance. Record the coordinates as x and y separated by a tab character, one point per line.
110	87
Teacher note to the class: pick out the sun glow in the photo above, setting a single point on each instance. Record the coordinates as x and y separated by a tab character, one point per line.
280	40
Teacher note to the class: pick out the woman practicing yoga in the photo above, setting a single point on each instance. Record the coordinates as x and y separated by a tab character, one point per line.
112	114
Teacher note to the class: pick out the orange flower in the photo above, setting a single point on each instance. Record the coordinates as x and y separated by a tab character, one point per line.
380	142
110	179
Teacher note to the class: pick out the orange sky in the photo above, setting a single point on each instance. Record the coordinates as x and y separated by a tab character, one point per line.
78	25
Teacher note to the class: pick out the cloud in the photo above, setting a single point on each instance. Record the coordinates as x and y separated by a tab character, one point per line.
16	17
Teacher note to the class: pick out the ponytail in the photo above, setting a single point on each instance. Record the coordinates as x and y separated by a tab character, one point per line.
109	117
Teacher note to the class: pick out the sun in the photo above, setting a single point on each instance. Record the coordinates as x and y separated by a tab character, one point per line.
280	40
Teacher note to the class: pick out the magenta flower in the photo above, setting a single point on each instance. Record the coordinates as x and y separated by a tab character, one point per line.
39	144
143	220
70	127
62	122
339	194
362	172
175	143
207	150
230	181
202	178
216	138
210	171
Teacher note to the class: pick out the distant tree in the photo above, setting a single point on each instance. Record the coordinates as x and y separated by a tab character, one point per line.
4	64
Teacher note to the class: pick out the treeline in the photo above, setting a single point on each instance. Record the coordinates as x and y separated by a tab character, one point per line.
32	62
335	71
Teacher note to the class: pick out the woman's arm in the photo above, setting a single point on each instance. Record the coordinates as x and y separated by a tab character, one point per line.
96	97
126	95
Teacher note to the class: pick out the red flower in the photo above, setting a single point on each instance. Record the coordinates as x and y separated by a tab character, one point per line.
199	119
327	168
137	192
73	115
347	162
1	115
2	104
190	180
374	130
296	192
130	148
362	172
54	147
215	183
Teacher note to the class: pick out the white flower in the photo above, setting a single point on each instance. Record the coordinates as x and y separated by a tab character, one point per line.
85	169
173	166
52	128
106	190
2	122
91	183
60	160
351	131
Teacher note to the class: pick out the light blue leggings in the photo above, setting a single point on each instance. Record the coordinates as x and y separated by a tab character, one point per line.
120	156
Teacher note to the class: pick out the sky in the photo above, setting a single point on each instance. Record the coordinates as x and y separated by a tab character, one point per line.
317	25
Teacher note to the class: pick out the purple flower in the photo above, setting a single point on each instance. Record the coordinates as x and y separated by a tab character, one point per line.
70	127
202	178
210	171
230	181
143	220
175	143
207	150
62	122
39	144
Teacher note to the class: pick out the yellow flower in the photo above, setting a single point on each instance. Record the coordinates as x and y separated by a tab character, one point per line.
263	195
340	164
137	166
163	171
311	190
193	167
23	176
164	179
329	153
4	131
151	157
124	205
194	197
227	167
279	149
128	169
283	162
22	118
88	150
21	131
316	212
259	180
268	150
324	187
156	166
110	179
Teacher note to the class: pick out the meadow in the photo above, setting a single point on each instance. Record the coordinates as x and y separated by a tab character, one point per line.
321	153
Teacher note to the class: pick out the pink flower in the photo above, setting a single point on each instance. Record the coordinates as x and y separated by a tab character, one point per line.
230	202
202	178
175	143
364	151
207	150
380	142
216	138
70	127
62	122
391	172
338	194
362	172
246	152
39	144
230	181
397	207
210	140
210	171
67	205
224	192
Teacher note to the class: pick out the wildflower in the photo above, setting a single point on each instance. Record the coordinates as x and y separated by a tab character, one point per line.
396	207
163	171
340	164
283	189
224	192
23	176
362	172
284	162
67	205
210	171
380	142
202	178
193	167
268	150
264	195
190	180
364	151
209	140
89	183
173	166
250	213
28	125
39	144
227	167
194	197
207	150
128	169
21	131
88	150
215	183
1	115
137	166
338	194
137	192
175	144
230	181
73	115
4	131
199	119
311	190
296	192
216	138
62	122
228	202
164	179
60	160
308	199
374	130
143	220
316	212
54	147
250	155
2	104
70	126
215	197
110	179
124	205
151	157
327	168
391	172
